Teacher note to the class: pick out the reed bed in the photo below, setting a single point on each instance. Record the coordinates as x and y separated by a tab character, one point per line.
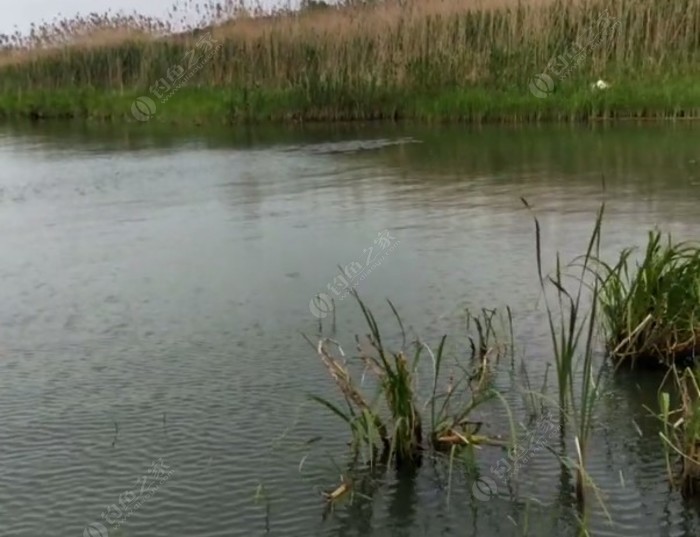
651	309
433	59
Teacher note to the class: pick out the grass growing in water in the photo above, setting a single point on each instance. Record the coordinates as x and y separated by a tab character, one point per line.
572	332
390	426
651	310
398	432
681	434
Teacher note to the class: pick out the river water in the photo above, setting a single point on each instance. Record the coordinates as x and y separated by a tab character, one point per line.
154	380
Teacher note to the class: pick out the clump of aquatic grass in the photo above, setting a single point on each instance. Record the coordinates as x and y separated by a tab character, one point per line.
681	431
369	434
651	310
488	341
390	426
451	421
451	409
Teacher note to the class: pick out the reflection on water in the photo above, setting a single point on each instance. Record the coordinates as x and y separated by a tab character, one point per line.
156	282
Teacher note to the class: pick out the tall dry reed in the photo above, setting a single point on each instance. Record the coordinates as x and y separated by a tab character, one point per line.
359	50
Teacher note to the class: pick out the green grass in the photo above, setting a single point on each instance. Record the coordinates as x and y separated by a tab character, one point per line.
650	309
572	331
670	99
389	425
663	287
681	431
423	60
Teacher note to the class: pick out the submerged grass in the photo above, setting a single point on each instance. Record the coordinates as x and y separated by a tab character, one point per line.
431	60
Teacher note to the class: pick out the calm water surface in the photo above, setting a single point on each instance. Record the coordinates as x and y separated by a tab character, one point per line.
156	284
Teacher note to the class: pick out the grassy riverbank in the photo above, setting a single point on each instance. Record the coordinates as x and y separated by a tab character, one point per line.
459	60
672	99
